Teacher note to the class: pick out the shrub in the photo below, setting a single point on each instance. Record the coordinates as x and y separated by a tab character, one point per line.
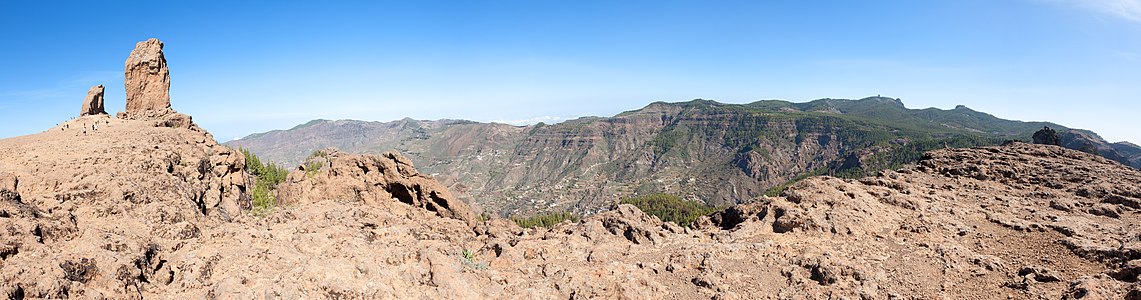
546	220
670	208
467	257
311	168
776	190
317	153
262	197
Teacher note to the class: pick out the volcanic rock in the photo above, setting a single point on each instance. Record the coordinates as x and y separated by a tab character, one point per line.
147	81
93	103
370	179
89	205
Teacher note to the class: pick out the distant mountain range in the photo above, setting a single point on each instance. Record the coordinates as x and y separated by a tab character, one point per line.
701	149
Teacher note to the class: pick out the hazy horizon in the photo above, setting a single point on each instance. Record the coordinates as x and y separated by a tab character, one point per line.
246	68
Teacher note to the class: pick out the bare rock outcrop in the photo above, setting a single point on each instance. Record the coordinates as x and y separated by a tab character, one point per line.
92	214
375	180
636	226
93	103
147	81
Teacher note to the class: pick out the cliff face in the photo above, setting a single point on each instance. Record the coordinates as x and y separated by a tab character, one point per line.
690	151
585	164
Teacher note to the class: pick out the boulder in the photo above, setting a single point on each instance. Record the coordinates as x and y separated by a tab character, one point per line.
631	223
147	81
93	103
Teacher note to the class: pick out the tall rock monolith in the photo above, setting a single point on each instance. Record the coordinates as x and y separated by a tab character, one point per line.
147	81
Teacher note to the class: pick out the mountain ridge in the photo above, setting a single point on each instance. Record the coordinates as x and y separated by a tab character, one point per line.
702	149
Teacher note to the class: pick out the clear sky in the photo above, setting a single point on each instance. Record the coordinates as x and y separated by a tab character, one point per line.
241	67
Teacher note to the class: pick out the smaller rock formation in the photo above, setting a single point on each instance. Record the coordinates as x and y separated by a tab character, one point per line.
93	104
147	81
636	226
371	179
1047	136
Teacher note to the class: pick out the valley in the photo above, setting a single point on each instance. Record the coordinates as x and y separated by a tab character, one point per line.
703	150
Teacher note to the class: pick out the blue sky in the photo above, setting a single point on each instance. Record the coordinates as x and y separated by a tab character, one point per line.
247	67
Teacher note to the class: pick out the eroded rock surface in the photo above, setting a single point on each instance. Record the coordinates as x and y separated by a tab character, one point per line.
1019	221
147	81
371	179
93	103
87	215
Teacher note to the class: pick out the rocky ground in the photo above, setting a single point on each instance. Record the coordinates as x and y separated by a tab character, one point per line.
142	209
